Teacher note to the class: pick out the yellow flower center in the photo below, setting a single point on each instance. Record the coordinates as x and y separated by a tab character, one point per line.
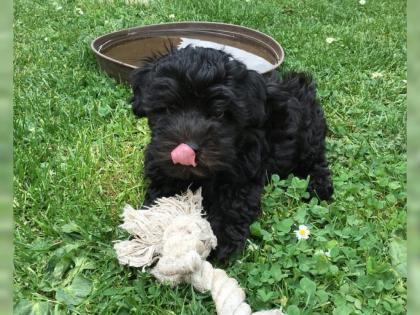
302	232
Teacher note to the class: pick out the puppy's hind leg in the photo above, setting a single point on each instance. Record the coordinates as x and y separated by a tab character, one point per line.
312	150
320	183
297	126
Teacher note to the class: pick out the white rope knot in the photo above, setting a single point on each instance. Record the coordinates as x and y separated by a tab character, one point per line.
173	235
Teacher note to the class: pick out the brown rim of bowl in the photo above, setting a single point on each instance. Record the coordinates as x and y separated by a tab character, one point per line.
270	42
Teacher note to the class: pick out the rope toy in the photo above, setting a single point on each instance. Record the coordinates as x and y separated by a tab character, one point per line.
173	236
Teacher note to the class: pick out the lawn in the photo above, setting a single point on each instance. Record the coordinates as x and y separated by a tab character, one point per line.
78	158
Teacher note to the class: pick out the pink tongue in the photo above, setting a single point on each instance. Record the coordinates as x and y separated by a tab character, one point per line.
184	155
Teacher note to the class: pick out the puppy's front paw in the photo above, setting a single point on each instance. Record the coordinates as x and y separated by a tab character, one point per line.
223	252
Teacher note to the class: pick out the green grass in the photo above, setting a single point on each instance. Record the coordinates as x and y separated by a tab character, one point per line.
79	157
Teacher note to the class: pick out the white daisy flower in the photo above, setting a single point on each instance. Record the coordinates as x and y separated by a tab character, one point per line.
330	40
362	2
376	75
79	11
303	232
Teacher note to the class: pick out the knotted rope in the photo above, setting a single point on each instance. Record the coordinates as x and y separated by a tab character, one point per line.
173	235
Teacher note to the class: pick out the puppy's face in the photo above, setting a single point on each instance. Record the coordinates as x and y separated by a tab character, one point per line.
199	103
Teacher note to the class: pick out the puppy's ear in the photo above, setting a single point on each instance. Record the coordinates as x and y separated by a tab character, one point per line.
249	93
139	83
256	97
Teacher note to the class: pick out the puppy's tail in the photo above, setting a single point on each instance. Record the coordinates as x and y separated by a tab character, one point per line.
298	86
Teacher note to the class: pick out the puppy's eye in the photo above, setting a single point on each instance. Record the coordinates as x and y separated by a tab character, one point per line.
162	110
166	110
219	115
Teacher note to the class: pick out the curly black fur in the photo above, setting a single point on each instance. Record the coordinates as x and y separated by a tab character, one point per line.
243	126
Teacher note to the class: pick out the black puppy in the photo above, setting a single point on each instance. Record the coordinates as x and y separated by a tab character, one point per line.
216	125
